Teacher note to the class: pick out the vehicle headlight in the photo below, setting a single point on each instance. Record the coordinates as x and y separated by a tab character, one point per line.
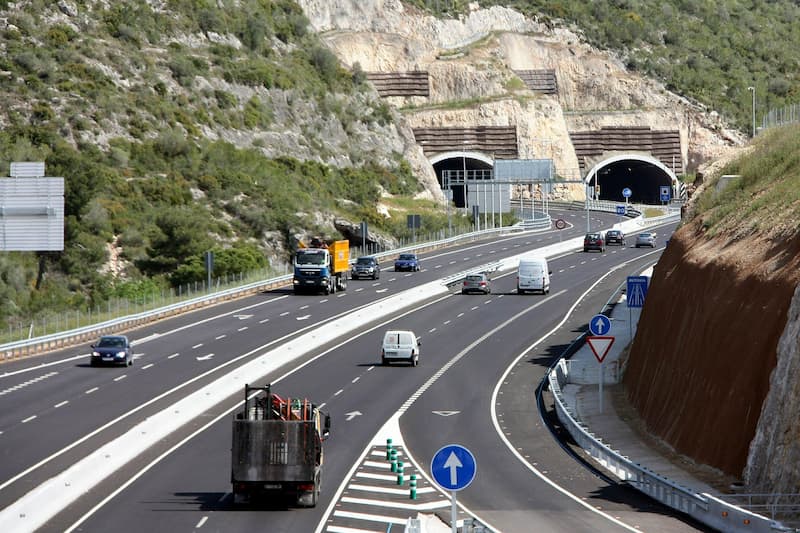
120	354
95	354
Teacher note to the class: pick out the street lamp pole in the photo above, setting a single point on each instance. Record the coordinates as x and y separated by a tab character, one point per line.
753	90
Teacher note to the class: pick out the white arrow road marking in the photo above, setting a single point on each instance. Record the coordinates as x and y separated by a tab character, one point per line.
304	317
445	413
242	317
351	415
453	464
205	357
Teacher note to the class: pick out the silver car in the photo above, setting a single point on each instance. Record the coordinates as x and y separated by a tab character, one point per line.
647	238
477	283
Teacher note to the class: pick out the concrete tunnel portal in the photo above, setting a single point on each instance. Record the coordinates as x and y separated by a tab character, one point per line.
644	175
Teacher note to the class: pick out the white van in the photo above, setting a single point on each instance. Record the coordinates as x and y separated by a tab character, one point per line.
533	275
400	346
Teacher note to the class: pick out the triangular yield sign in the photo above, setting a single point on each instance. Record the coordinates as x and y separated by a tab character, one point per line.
600	346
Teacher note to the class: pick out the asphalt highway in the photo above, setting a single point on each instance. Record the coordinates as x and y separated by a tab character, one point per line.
56	407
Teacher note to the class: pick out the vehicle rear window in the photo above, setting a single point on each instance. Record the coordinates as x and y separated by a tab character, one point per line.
474	278
407	257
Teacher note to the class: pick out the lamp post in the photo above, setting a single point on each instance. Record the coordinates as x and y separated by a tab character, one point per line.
753	90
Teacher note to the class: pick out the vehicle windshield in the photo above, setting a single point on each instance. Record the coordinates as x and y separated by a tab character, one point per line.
407	257
364	260
308	257
111	342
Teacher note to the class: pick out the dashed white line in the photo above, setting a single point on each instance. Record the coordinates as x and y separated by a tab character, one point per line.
120	378
355	379
304	307
262	321
201	522
337	393
173	356
474	308
218	337
431	330
95	389
323	300
61	404
438	266
145	367
196	346
29	419
445	322
459	315
284	313
572	266
242	329
359	289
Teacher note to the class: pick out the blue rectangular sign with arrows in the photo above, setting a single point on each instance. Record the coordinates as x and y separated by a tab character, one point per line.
636	290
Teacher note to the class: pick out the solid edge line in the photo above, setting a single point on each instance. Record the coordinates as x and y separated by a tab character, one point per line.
493	410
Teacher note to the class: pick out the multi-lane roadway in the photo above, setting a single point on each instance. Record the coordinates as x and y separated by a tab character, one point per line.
482	357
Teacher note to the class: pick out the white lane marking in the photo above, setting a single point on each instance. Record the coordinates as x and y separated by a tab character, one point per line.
262	321
459	315
572	266
452	262
205	357
304	307
145	367
397	505
342	529
337	393
408	275
173	356
201	522
29	382
431	330
474	308
284	313
196	346
561	271
29	419
380	291
218	337
341	295
323	300
323	404
371	517
95	389
438	266
386	490
120	378
304	317
61	404
359	289
355	379
381	477
242	329
583	262
376	284
445	322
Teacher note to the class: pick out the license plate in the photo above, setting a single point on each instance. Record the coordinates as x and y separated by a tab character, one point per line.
390	354
272	485
108	358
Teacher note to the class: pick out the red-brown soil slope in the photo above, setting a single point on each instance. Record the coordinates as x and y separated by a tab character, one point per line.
700	364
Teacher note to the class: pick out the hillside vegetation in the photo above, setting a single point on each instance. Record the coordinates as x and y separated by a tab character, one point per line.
708	51
175	125
764	195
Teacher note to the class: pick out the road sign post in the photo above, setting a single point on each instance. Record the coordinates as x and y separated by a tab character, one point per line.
600	345
635	292
626	193
453	468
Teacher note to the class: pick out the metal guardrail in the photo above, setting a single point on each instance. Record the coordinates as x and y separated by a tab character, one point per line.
705	507
83	334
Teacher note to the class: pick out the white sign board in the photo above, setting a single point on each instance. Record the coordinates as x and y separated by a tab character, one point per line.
31	214
27	169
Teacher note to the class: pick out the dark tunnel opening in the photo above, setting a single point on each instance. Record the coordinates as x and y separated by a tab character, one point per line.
642	178
459	164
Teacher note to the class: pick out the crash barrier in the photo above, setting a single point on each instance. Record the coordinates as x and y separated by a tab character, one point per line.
704	507
83	334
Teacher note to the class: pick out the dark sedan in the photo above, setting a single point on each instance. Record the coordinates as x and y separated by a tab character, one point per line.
615	236
366	267
112	350
594	241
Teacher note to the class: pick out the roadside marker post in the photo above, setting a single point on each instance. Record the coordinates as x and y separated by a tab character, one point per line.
453	468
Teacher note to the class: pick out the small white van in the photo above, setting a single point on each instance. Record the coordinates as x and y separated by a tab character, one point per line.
400	346
533	274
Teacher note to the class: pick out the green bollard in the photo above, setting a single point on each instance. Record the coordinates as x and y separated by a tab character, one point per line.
400	472
393	464
388	449
412	484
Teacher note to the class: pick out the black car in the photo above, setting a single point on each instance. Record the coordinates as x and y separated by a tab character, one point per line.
615	236
112	350
594	241
366	267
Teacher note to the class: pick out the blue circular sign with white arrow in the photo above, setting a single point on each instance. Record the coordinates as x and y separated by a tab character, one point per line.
600	325
453	467
626	192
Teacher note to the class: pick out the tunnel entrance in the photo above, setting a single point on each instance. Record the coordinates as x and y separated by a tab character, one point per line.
473	166
643	175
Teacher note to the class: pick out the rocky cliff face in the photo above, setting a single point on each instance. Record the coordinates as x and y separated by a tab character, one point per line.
471	61
700	365
773	464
